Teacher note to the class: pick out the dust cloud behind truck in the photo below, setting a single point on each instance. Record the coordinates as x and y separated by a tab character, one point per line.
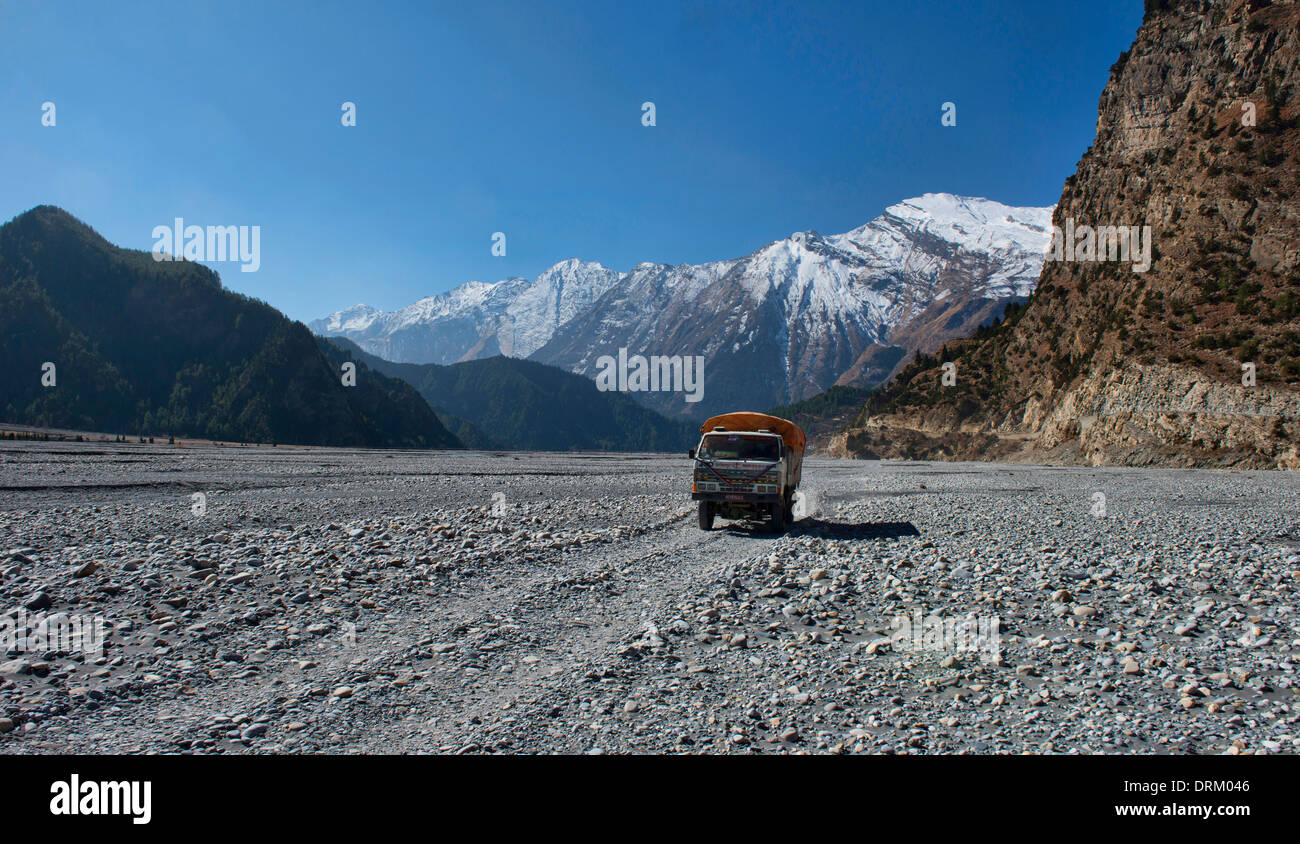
747	466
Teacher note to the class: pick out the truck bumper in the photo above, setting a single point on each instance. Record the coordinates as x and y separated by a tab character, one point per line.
737	497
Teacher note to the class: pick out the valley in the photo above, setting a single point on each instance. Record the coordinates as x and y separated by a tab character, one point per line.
354	601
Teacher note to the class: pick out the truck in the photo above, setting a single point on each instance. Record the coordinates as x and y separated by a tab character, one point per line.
747	466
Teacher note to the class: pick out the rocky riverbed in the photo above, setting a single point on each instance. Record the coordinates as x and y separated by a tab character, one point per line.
260	600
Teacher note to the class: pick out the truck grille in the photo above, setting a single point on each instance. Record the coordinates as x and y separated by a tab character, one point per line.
736	479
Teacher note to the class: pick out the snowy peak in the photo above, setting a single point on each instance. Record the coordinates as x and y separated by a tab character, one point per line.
795	316
799	313
557	295
476	319
976	225
355	318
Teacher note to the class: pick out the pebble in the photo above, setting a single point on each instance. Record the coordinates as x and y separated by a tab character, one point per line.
1175	633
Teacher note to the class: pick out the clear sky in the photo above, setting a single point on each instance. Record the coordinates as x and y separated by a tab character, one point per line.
525	118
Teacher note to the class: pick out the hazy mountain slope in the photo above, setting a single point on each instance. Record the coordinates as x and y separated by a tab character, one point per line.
161	348
521	404
388	402
1106	365
511	317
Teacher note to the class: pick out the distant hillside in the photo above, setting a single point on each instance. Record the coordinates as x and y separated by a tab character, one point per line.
521	404
825	414
160	348
468	433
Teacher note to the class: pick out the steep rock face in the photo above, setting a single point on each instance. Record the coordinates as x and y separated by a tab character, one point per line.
1175	150
1138	415
810	311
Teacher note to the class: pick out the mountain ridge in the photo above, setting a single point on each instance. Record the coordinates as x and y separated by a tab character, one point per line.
504	403
162	348
813	305
475	319
798	314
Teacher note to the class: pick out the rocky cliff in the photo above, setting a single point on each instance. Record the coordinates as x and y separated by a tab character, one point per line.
1112	361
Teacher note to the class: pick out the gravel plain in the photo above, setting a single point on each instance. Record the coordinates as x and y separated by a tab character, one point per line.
336	601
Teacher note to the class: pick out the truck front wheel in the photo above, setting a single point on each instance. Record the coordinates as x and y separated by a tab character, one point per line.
778	516
706	515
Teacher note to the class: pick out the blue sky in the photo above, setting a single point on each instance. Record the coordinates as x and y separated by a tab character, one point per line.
525	118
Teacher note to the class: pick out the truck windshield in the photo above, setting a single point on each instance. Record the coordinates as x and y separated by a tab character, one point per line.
737	447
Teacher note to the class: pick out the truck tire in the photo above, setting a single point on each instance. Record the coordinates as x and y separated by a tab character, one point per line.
778	516
789	509
706	516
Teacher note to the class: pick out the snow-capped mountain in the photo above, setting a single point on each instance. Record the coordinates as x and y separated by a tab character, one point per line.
557	296
806	312
512	317
779	325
